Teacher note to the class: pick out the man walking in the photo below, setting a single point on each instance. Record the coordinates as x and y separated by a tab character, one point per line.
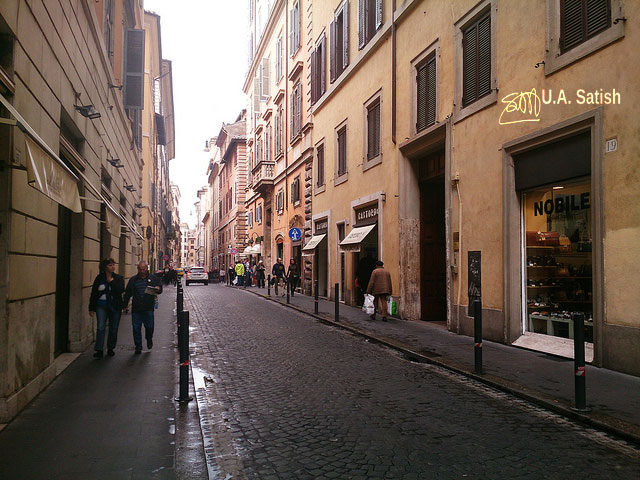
143	288
380	287
278	274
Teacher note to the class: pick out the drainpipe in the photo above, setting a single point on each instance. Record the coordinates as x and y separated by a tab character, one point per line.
285	140
393	72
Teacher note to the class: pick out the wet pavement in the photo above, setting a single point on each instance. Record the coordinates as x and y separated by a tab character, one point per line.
281	395
110	418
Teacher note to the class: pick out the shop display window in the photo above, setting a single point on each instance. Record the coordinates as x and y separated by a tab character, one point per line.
558	259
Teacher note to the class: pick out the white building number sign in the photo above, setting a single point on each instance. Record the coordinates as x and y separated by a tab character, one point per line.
611	145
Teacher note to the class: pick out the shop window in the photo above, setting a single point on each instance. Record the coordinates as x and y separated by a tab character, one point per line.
577	28
558	245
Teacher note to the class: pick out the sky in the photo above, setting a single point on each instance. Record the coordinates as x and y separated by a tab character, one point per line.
206	41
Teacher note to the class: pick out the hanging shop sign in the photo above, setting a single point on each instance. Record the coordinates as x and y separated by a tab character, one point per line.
367	215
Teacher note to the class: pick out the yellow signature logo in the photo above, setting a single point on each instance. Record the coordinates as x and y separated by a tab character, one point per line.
527	103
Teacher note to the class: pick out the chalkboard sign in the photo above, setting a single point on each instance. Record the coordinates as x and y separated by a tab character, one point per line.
474	279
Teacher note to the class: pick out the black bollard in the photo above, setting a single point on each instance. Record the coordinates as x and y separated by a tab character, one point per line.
269	285
183	344
336	296
288	287
477	334
315	297
180	301
578	353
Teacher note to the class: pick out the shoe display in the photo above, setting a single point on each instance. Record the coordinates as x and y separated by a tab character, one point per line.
98	354
111	353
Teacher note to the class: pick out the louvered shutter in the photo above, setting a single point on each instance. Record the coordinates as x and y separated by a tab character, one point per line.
332	51
292	35
431	91
266	77
256	94
379	14
299	108
469	60
292	112
133	96
484	56
345	35
160	130
598	16
361	23
314	75
421	97
323	65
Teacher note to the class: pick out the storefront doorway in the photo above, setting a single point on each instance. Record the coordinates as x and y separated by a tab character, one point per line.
63	286
432	262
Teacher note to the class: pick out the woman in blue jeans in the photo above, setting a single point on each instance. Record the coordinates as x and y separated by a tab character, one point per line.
106	303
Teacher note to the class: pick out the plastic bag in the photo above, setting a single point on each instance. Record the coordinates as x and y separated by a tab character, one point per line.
392	306
368	307
235	281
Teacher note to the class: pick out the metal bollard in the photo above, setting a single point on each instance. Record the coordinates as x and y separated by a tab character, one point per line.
315	297
269	285
580	369
336	296
288	287
183	344
477	334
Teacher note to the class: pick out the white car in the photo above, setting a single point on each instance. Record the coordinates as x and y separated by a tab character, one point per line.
197	275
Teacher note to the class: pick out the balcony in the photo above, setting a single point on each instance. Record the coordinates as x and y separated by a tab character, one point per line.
262	176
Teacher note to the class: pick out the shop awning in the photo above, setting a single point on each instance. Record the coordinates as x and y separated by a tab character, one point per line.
355	237
256	249
46	175
113	223
314	242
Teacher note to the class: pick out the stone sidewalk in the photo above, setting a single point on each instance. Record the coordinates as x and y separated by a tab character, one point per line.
613	398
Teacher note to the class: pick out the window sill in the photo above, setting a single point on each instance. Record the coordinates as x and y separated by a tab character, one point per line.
296	203
460	113
320	189
367	164
296	139
341	179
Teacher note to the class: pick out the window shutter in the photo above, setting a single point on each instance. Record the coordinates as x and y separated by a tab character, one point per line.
598	16
571	24
256	94
160	130
134	70
469	59
266	77
484	56
379	14
361	23
345	35
292	112
292	35
314	75
431	91
332	51
422	93
323	65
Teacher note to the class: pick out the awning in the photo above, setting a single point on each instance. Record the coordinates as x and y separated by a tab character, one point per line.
50	180
355	237
256	249
314	242
47	176
112	223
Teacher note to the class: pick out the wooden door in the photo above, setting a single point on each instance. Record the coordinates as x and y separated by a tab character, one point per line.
432	251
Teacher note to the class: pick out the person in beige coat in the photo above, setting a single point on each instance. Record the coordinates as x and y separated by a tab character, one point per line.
380	287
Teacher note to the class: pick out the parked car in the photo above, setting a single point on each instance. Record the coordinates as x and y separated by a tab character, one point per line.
197	275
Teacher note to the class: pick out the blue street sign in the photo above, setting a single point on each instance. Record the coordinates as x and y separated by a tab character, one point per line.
295	234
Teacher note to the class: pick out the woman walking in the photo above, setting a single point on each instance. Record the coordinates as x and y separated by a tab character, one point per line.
106	303
293	275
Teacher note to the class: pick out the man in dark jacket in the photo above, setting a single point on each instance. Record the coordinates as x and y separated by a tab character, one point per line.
380	287
278	275
144	288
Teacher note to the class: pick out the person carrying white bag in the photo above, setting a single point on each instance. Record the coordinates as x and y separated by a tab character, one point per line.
368	307
380	287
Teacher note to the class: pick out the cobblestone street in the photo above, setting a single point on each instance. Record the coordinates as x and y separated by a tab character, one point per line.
283	396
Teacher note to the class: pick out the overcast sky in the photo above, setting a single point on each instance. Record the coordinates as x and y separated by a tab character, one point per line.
206	41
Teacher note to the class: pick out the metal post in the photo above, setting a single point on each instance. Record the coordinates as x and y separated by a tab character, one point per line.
288	287
183	344
580	370
477	333
315	297
269	284
336	296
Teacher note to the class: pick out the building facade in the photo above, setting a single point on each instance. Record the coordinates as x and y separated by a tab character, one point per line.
447	137
71	144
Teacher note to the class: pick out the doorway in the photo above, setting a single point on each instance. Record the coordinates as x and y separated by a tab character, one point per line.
63	286
433	263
